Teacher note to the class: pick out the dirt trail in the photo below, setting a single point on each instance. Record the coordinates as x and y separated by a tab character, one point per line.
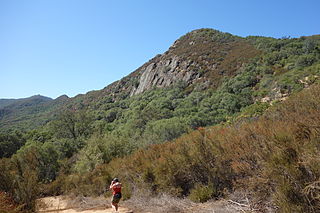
65	204
62	204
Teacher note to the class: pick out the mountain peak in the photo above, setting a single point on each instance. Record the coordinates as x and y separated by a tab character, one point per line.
202	55
62	97
207	35
40	97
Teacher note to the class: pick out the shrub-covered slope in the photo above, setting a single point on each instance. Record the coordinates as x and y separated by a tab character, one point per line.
229	76
275	159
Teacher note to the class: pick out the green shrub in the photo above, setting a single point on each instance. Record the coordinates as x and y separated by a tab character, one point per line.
305	60
126	191
201	193
254	110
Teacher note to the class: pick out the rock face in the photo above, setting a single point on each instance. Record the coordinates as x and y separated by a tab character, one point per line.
164	73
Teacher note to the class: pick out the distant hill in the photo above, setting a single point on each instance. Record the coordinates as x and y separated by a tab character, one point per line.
6	102
27	113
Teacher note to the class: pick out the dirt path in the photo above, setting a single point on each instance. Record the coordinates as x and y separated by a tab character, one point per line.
65	204
62	204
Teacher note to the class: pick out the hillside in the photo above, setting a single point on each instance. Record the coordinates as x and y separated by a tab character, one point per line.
272	162
200	61
269	164
214	115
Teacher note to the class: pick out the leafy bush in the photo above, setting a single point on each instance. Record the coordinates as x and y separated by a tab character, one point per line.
10	143
305	60
164	130
201	193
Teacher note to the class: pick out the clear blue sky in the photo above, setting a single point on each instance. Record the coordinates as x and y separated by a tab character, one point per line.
55	47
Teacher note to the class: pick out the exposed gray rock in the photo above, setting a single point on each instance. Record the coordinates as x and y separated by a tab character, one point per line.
164	73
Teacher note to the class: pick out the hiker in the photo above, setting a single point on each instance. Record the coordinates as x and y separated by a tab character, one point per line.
116	193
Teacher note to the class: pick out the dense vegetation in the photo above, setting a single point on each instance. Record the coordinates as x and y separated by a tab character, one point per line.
98	136
276	156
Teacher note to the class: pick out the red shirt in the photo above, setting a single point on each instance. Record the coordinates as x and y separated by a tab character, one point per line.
116	188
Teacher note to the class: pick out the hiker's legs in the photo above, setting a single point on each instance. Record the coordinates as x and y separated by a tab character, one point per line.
114	202
115	206
112	205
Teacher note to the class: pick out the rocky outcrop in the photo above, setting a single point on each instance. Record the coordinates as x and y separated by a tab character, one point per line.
165	72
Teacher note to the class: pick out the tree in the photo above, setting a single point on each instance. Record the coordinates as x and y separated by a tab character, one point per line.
10	143
164	130
71	124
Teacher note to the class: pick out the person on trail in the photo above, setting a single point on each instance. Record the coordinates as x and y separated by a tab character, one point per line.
116	193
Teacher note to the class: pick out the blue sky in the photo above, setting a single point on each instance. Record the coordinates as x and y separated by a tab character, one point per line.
56	47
